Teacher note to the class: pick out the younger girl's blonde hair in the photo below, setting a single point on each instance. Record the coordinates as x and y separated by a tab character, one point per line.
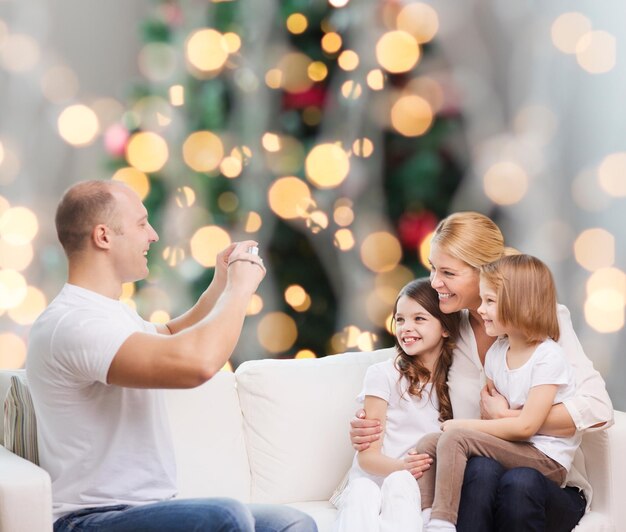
526	295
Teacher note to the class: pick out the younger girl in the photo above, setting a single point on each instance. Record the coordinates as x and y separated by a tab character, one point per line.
528	368
410	396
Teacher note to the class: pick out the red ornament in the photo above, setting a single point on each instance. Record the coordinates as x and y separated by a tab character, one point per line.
414	227
115	140
314	96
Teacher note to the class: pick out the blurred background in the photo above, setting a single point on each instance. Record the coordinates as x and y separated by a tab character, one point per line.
337	133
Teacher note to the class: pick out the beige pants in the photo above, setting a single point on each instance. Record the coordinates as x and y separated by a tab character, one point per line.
441	485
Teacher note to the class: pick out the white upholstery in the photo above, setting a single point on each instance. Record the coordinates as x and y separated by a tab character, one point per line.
276	431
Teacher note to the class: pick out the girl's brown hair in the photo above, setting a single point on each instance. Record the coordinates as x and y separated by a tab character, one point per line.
526	295
411	367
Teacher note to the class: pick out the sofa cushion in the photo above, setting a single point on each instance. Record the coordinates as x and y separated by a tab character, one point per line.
20	425
296	420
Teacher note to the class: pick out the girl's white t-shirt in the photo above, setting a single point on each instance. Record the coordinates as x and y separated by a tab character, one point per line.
408	417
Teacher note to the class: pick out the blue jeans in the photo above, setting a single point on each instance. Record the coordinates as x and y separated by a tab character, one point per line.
188	515
521	499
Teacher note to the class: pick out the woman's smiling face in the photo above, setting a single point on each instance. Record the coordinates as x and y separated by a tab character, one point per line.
455	281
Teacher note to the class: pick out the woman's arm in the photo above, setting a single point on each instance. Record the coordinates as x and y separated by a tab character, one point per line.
519	428
372	460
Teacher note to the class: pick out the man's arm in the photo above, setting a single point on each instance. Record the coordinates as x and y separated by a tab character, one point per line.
192	356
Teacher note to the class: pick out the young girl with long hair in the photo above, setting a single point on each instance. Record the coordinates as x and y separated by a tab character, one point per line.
526	366
410	394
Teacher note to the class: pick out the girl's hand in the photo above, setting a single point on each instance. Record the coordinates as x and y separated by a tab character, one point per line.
364	431
493	405
416	464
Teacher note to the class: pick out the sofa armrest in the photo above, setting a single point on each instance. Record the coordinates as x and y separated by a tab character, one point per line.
25	495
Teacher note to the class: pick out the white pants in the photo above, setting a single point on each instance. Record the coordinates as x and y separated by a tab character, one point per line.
393	507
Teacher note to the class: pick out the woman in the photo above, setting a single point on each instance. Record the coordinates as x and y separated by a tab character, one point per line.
492	498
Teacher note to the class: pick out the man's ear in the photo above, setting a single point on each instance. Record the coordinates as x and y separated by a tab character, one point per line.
101	236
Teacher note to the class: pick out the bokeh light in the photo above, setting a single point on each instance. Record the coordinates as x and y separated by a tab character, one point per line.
277	332
253	222
203	151
206	50
19	52
317	221
288	197
157	61
596	52
297	23
173	255
78	125
159	317
135	179
420	20
207	242
381	251
30	308
604	310
255	306
327	165
13	289
177	95
595	249
348	60
18	226
505	183
397	51
317	71
185	197
567	30
344	239
147	151
607	279
612	174
16	258
343	215
12	351
305	353
411	115
363	147
376	79
351	90
294	69
331	42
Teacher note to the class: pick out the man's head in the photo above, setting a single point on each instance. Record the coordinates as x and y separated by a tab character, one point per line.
107	218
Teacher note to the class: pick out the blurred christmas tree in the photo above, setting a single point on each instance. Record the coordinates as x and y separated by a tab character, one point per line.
322	130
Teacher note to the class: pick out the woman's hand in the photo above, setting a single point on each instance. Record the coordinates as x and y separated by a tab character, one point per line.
416	464
493	405
364	431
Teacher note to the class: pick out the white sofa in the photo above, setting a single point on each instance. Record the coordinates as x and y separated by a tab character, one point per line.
276	431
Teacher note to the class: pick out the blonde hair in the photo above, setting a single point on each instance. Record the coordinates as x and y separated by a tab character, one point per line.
471	237
526	295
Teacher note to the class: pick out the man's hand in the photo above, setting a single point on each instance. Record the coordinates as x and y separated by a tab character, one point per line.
364	431
244	270
416	464
493	405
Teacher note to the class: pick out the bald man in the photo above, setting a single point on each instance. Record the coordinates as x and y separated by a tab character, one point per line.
96	371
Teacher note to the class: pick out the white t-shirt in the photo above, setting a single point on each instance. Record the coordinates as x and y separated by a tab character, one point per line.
408	417
101	444
547	365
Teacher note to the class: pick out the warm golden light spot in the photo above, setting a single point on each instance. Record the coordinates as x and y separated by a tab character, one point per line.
12	351
13	289
419	20
317	71
348	60
277	332
366	341
228	367
397	51
18	226
567	30
231	167
505	183
428	89
5	205
253	222
31	306
294	67
351	335
228	201
16	258
344	239
343	215
604	311
363	147
381	251
388	284
128	290
173	256
327	165
595	249
390	324
411	116
147	151
274	78
243	154
317	221
297	23
203	151
607	279
177	95
612	174
331	42
206	50
271	142
78	125
305	353
255	306
351	90
338	3
233	42
135	179
185	197
130	303
376	79
288	196
207	242
424	250
159	317
295	295
596	52
377	309
19	52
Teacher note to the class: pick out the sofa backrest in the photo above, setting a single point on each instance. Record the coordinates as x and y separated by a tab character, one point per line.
5	384
296	420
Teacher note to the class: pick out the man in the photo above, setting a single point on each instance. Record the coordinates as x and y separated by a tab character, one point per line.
96	368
